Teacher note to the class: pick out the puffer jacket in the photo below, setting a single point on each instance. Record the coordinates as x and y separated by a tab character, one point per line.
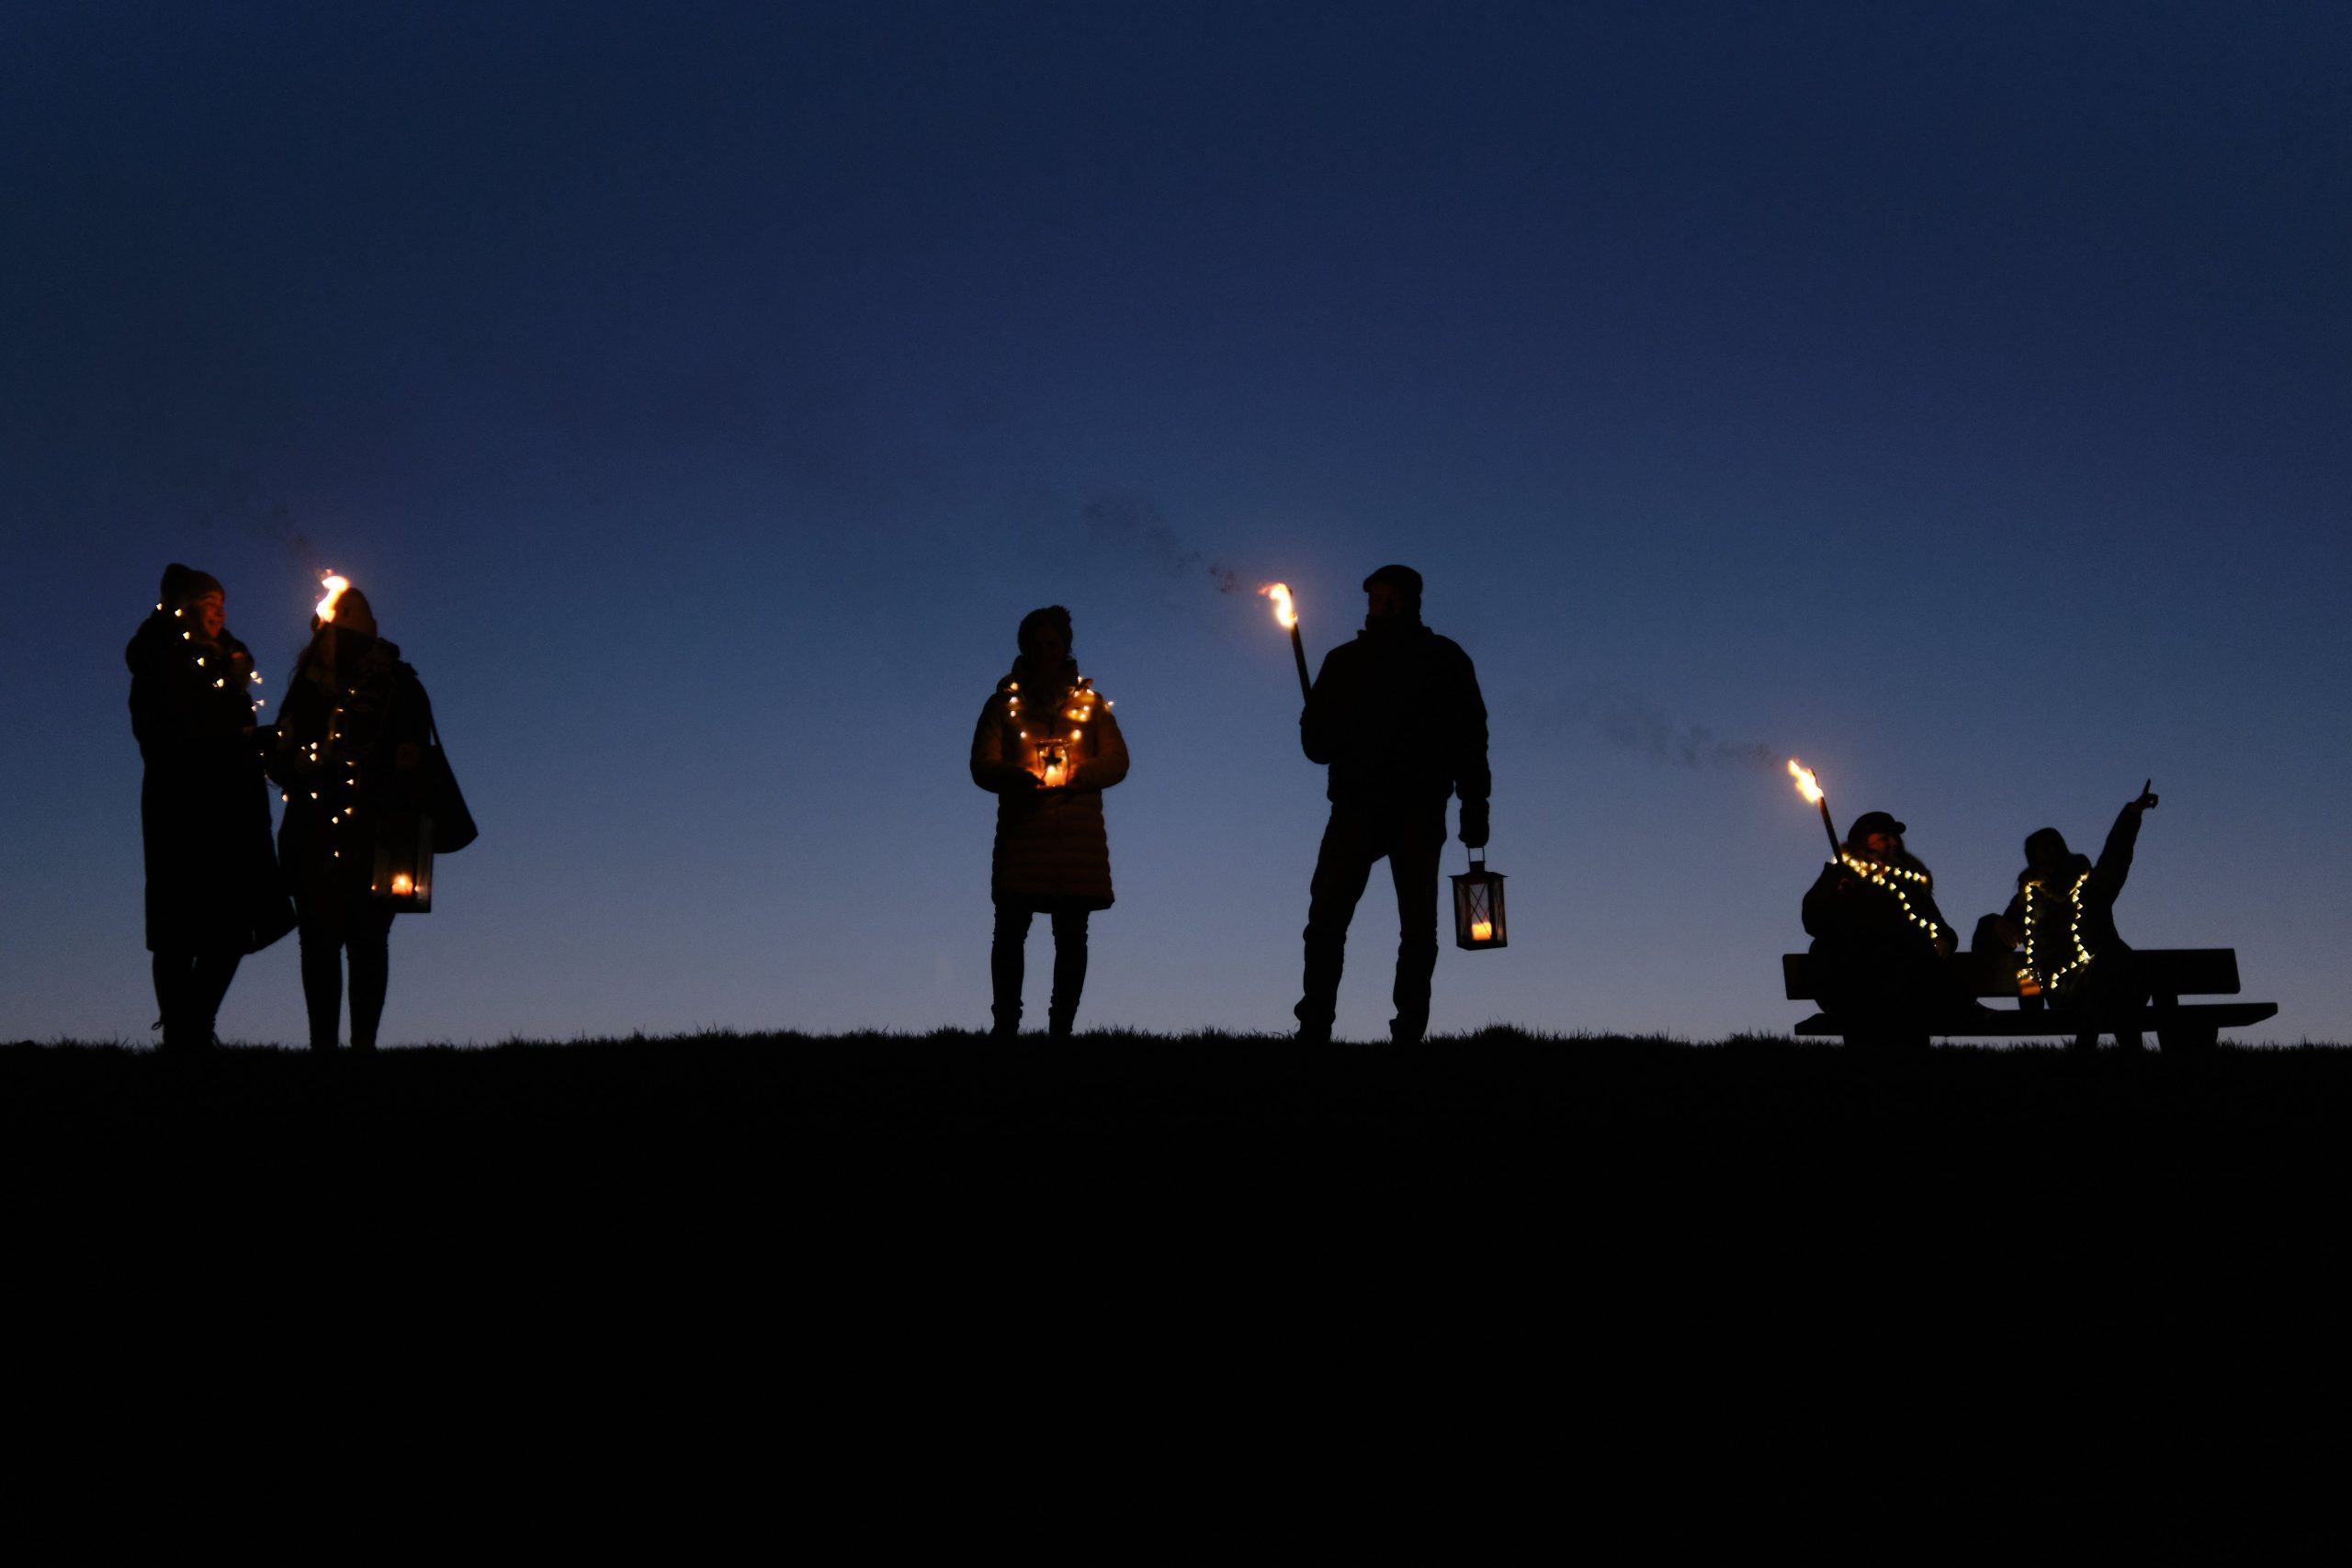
1051	847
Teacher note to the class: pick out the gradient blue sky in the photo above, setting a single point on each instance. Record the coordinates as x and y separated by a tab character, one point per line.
1954	396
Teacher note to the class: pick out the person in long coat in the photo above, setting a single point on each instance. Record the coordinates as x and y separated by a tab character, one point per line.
213	893
1047	747
352	743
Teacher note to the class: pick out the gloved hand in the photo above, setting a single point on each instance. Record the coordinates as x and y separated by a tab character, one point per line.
1474	824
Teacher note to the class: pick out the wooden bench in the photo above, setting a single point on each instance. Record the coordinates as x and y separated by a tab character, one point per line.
2171	972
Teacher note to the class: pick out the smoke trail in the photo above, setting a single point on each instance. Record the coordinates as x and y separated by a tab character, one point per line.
238	508
1132	524
1642	728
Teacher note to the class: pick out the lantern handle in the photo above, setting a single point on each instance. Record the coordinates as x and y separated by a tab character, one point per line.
1478	857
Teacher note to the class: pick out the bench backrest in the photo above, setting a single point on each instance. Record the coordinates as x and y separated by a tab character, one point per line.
2172	972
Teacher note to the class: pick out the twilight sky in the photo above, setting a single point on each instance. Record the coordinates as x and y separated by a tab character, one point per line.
1955	397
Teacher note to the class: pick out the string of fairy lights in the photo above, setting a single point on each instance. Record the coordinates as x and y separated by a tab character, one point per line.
1078	708
2034	922
220	683
1890	878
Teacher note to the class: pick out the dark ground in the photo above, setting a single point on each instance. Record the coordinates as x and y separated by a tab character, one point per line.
1757	1294
1551	1131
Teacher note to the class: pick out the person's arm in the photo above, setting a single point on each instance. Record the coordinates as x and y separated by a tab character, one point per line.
2115	858
1821	899
990	767
1320	721
1107	763
1473	781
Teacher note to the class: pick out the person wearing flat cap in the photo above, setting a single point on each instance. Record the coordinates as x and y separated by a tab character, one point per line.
1879	940
1398	718
212	888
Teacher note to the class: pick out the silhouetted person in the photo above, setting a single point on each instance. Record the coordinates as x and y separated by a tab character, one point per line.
1397	717
1879	940
2063	916
212	887
1047	747
350	757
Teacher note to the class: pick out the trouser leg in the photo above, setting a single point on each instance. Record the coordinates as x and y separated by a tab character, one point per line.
1413	853
368	936
1343	866
1005	967
1070	971
321	941
174	969
208	988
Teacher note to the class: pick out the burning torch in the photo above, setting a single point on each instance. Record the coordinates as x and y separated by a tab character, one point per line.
1810	787
1286	614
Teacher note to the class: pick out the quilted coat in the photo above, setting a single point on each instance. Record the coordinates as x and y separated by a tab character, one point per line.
1047	747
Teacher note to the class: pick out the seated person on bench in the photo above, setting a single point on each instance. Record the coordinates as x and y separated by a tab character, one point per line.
1879	940
2063	916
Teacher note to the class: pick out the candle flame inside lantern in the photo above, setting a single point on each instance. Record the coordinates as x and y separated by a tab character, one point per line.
403	884
1285	613
1807	785
1482	931
334	586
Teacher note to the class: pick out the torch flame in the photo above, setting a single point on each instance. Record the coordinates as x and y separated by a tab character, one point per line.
334	586
1286	613
1807	785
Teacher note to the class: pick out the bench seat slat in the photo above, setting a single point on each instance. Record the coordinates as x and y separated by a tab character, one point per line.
2005	1024
2171	971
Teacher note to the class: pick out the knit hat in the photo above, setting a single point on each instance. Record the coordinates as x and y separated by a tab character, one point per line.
354	613
1403	579
185	585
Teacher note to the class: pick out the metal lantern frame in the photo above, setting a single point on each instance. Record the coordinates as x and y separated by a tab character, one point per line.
405	848
1478	899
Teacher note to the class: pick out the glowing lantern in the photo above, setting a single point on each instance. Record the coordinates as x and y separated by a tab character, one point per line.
403	872
1478	907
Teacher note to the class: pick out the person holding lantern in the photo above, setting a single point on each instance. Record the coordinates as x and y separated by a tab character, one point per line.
1047	747
213	894
352	738
2063	916
1879	940
1397	717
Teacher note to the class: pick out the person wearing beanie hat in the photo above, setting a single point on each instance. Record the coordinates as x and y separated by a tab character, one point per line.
213	894
353	739
2063	916
1397	717
1047	746
1879	940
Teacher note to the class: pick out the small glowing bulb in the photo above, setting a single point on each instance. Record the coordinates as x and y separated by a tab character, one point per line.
199	661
